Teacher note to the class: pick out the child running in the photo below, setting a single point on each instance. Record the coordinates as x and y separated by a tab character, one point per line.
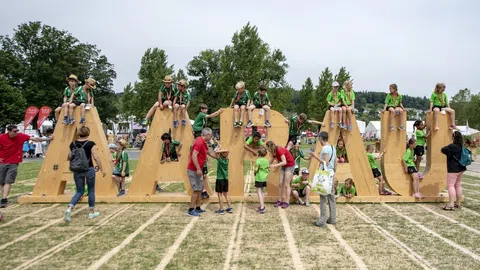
348	104
409	167
376	172
421	133
334	100
301	188
394	105
240	101
67	93
254	143
170	148
260	101
221	185
439	102
298	155
181	101
261	174
348	189
121	170
166	95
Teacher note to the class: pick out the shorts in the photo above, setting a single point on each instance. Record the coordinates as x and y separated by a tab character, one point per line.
376	173
258	106
292	138
31	152
239	104
78	103
288	169
197	134
8	173
205	170
301	192
337	109
419	150
221	185
296	171
259	184
411	170
439	107
395	107
120	175
196	181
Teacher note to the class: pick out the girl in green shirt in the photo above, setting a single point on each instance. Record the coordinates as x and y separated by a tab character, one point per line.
348	104
334	100
439	102
421	134
409	167
394	105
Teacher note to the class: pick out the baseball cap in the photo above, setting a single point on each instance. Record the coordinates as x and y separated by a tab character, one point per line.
111	146
305	171
335	84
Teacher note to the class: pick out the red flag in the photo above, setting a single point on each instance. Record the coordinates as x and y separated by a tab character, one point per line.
44	113
29	115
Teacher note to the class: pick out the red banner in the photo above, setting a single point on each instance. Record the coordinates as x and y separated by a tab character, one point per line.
29	115
44	113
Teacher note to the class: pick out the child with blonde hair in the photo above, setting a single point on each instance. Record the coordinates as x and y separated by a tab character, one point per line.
261	173
240	101
347	189
439	103
348	104
394	105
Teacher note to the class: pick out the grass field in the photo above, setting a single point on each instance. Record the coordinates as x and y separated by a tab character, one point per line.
160	236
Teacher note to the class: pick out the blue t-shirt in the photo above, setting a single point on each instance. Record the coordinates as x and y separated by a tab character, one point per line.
332	155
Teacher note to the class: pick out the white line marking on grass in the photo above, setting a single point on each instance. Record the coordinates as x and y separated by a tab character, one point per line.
427	230
344	244
450	219
403	247
173	248
27	235
297	262
27	215
470	211
54	250
468	184
231	244
472	191
238	244
127	240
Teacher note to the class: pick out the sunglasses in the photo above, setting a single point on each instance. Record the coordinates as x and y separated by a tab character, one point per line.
15	131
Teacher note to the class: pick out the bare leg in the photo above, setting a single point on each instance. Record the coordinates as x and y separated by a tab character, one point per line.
392	118
194	198
57	112
340	115
70	110
435	118
250	110
288	181
235	113
458	189
332	115
175	111
152	110
402	112
295	195
380	185
199	196
227	198
344	114
416	185
242	112
260	197
452	115
281	185
183	111
267	112
307	194
82	110
5	190
220	202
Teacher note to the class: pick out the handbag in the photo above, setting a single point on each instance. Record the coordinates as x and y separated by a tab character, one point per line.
322	183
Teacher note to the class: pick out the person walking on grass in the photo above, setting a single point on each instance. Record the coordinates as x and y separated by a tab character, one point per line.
455	171
11	146
287	164
88	176
261	174
198	156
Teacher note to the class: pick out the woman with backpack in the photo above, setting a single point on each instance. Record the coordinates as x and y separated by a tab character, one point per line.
455	171
81	152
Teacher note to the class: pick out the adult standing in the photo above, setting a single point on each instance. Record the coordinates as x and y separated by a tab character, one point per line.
198	157
11	146
88	176
287	164
455	171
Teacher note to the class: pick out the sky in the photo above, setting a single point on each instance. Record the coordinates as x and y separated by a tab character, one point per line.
414	44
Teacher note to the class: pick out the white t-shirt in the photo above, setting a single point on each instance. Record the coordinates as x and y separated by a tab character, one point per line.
332	156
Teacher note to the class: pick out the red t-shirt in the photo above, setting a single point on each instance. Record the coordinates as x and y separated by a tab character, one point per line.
288	157
201	146
11	148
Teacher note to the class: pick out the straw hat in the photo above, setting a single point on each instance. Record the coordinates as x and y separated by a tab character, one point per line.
91	82
73	77
123	143
168	79
182	82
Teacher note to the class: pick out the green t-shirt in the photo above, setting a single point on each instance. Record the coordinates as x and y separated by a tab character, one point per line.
243	98
342	190
67	92
297	154
199	122
408	158
260	100
262	173
393	101
348	100
295	127
183	97
222	168
171	150
335	99
168	93
299	180
81	96
435	99
123	158
250	141
420	134
341	152
371	160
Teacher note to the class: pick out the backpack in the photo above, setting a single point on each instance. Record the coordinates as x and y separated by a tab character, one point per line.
465	157
78	159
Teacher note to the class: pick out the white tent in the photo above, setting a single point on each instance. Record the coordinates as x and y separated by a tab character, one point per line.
361	127
373	130
466	130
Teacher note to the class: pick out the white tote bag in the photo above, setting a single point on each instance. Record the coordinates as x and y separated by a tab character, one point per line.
322	183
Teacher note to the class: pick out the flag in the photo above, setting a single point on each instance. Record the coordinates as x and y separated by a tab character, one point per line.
44	113
29	115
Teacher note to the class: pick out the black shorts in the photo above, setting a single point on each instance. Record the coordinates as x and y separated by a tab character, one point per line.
376	173
197	134
395	107
301	192
205	170
221	185
292	138
411	170
258	106
419	150
260	184
296	171
78	103
439	107
240	104
120	175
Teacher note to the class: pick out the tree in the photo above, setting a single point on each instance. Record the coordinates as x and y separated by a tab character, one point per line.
342	76
307	101
180	75
38	58
127	102
281	98
13	105
323	88
461	104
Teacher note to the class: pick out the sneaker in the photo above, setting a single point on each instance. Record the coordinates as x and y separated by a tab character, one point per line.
3	203
71	121
93	215
229	210
332	125
82	121
285	205
329	221
249	124
67	215
193	213
235	124
267	124
175	123
205	195
144	122
200	210
340	125
261	210
300	202
401	127
240	123
278	204
350	127
318	224
184	122
220	212
121	193
307	203
65	121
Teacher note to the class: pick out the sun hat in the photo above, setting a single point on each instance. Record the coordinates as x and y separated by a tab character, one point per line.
91	82
73	77
168	79
182	82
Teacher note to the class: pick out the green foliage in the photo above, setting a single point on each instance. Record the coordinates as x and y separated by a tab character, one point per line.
281	98
306	98
323	88
180	75
11	101
38	58
467	108
127	101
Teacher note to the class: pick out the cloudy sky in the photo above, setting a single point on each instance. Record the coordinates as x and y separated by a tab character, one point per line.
412	43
